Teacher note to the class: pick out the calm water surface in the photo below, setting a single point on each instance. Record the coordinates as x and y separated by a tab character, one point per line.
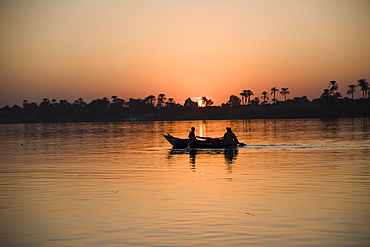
297	183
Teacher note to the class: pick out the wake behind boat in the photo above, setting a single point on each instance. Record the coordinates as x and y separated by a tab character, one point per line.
199	142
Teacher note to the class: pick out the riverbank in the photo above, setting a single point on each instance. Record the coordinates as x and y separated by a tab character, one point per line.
299	108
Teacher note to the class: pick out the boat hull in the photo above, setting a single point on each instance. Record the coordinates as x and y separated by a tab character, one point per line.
177	142
198	143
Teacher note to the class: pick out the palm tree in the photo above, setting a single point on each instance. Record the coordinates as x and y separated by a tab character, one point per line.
273	91
249	93
364	85
160	100
333	86
244	95
351	89
264	97
170	102
284	91
150	100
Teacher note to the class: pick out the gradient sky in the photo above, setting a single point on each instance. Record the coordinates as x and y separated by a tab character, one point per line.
93	49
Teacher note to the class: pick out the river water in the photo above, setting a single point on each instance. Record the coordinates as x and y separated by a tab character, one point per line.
300	182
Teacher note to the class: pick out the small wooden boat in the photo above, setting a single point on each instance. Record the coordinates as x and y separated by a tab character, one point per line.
199	142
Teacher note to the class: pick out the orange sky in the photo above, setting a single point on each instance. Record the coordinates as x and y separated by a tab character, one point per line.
94	49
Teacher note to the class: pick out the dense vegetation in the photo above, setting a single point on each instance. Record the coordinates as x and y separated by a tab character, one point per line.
329	105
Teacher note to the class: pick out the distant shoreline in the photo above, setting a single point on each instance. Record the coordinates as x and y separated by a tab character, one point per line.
178	120
291	109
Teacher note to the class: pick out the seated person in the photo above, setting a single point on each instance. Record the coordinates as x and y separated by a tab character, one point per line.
230	138
192	134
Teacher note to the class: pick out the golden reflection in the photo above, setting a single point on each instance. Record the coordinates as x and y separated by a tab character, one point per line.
229	154
202	129
106	183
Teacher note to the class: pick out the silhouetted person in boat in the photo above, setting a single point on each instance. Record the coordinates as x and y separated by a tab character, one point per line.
192	134
230	138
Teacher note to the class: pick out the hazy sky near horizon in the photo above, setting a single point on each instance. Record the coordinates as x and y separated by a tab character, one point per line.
214	48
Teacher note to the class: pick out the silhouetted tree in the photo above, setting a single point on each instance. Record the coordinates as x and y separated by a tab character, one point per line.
46	111
244	96
207	102
64	104
117	110
351	90
330	104
337	95
273	92
364	85
135	106
80	102
170	102
249	93
45	103
234	101
54	102
264	98
284	91
333	86
160	100
325	94
29	110
190	104
78	108
97	109
150	100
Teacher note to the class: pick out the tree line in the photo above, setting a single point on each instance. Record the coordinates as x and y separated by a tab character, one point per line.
266	105
331	91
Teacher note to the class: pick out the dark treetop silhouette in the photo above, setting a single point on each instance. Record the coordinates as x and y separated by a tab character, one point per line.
330	104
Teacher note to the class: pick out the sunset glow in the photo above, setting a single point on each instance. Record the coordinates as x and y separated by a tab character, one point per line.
132	49
201	103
